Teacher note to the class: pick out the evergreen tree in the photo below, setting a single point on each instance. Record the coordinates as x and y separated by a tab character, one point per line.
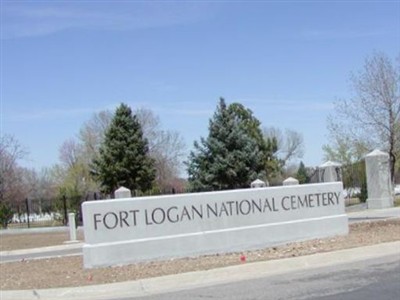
302	175
234	153
123	156
364	191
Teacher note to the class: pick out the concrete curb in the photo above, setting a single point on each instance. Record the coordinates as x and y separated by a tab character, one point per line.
158	285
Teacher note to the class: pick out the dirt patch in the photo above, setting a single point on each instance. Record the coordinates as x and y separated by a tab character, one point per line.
68	271
34	240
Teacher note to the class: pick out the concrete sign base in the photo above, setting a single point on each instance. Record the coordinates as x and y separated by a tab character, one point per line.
124	231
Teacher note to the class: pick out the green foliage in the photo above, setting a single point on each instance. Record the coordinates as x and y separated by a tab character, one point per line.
234	153
74	184
302	175
6	214
354	175
73	198
273	165
124	155
350	155
364	192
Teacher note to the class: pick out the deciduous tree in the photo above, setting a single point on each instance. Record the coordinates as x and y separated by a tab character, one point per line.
91	135
290	144
371	117
11	186
166	147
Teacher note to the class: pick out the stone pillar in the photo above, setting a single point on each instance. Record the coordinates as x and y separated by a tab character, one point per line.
72	227
122	192
290	181
330	172
258	184
379	185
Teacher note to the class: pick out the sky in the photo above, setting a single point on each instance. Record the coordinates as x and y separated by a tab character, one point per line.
287	61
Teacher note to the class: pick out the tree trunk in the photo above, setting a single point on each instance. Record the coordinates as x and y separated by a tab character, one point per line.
392	161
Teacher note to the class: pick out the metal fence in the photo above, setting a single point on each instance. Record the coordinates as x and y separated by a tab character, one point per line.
36	213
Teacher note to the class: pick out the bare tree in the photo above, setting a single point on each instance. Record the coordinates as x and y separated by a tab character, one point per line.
91	134
290	143
166	147
11	185
150	124
39	185
70	153
371	117
11	152
73	174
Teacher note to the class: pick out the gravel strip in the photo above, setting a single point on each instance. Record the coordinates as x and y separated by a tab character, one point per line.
68	271
34	240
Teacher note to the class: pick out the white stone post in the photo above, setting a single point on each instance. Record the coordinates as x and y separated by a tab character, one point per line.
72	227
258	184
330	172
122	192
290	181
379	185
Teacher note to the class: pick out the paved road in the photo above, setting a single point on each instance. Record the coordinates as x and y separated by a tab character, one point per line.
367	280
332	274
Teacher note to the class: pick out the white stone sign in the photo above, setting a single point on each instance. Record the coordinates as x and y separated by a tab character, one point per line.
123	231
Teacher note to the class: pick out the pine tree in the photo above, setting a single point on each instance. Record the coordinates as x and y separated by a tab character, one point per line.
124	159
302	175
234	153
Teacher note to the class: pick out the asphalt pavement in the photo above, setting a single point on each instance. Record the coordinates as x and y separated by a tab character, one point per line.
372	279
202	279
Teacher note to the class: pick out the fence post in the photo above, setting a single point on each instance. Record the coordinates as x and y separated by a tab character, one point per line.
72	227
27	211
65	209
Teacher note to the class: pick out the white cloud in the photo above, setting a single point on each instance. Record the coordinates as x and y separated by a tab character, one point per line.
48	114
178	108
289	105
26	19
334	34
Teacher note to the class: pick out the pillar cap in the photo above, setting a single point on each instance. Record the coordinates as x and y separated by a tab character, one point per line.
258	183
290	179
123	189
376	152
330	164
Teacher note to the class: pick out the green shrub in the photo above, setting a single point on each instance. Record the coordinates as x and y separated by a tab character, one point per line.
6	214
